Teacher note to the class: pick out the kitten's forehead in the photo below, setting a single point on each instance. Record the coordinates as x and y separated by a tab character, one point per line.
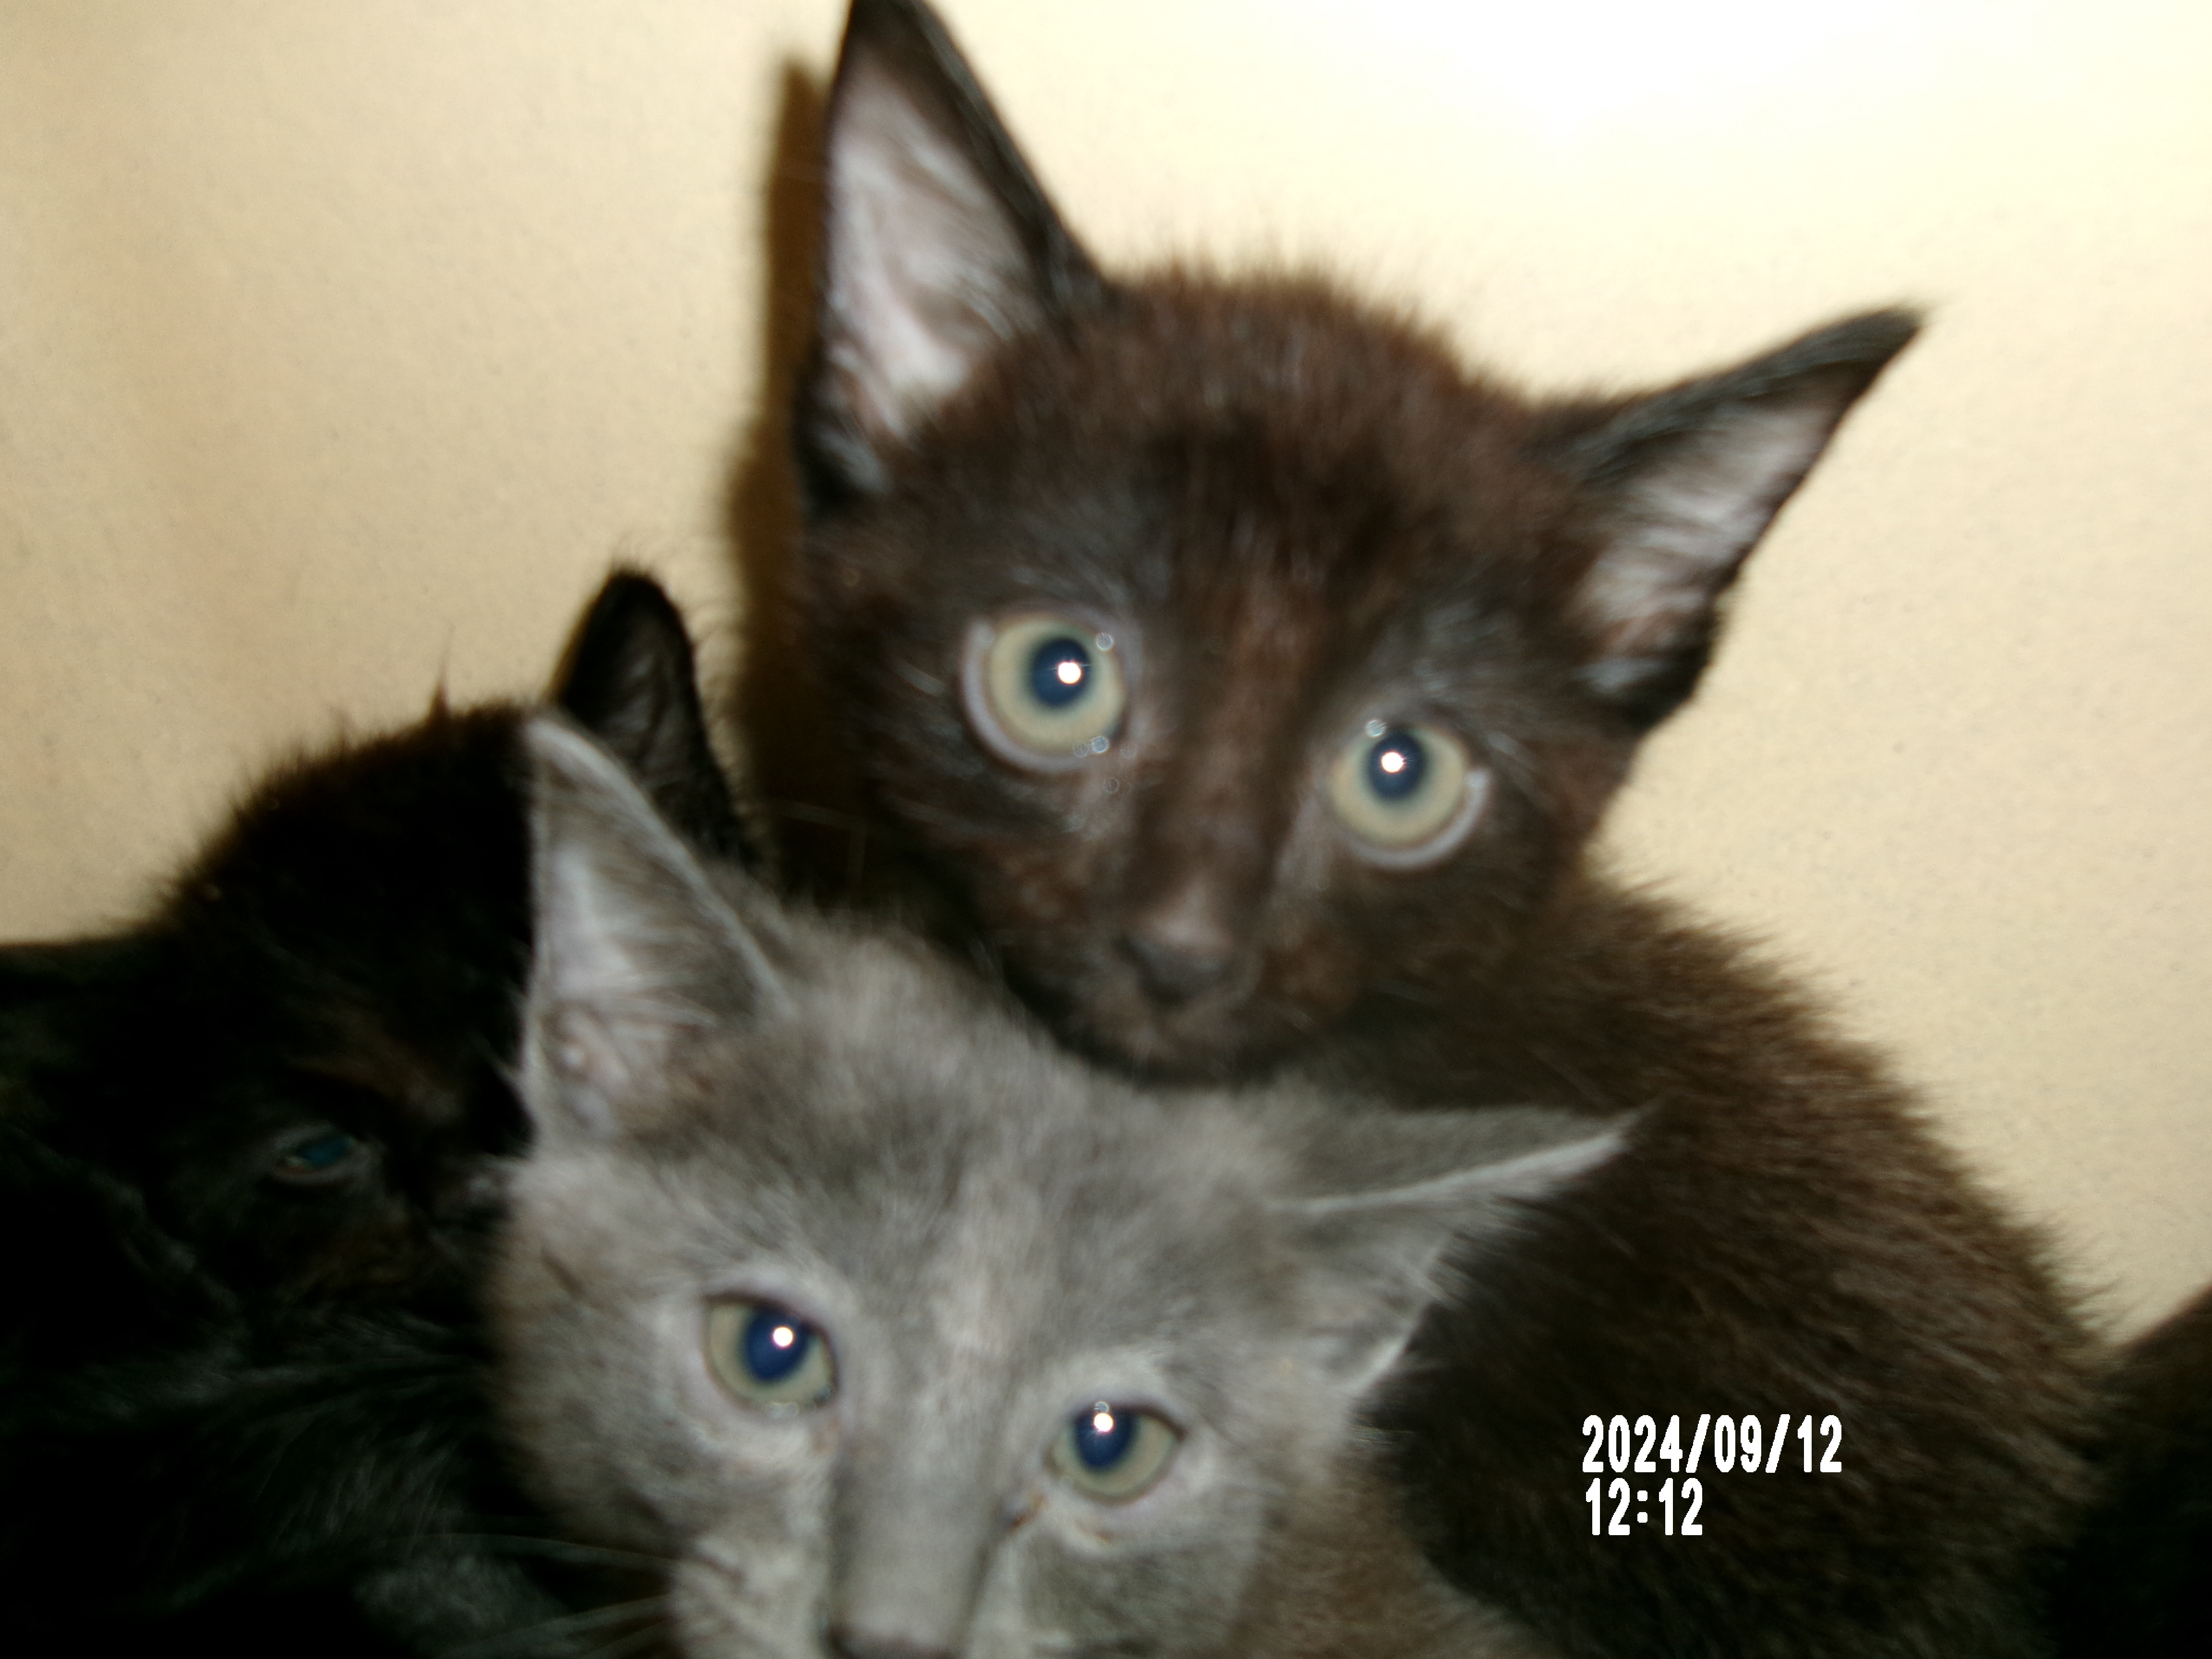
1254	401
949	1182
1308	490
895	1139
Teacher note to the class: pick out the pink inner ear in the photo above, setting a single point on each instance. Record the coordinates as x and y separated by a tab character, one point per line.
926	273
1682	524
1639	601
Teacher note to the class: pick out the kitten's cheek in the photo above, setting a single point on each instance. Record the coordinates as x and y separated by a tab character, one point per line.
707	1612
1312	982
1213	1037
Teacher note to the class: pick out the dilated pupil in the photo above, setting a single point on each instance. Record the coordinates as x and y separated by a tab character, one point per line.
1103	1436
1396	765
775	1345
1060	673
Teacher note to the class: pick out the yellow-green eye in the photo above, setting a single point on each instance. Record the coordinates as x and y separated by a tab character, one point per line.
1113	1453
766	1356
1407	793
1044	692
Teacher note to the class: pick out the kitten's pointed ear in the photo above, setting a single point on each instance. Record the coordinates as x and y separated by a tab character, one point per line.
1413	1193
1684	482
635	951
630	679
939	247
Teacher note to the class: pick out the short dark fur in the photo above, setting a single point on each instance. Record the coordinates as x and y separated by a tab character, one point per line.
2140	1582
1294	512
238	1392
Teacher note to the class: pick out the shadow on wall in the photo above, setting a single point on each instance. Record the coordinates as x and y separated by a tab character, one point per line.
798	775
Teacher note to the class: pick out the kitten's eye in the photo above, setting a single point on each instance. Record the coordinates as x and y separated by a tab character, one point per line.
1113	1453
766	1356
1409	793
319	1156
1044	692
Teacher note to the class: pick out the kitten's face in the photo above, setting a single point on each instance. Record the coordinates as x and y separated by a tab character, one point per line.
1222	685
1227	650
301	1063
893	1329
340	980
342	1153
298	1065
1028	1415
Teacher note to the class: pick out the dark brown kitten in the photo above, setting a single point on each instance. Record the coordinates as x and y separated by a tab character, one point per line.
1246	678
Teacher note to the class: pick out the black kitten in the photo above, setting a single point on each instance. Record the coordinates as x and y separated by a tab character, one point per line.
1247	679
248	1150
2140	1582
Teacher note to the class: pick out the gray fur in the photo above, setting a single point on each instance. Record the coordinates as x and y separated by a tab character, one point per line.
731	1099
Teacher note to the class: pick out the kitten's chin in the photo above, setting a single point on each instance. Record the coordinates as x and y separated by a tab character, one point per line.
1206	1039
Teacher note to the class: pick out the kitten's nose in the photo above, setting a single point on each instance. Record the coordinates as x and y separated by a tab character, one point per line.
848	1643
1181	946
1171	973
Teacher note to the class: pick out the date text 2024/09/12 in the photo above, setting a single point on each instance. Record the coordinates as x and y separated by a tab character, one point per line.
1735	1445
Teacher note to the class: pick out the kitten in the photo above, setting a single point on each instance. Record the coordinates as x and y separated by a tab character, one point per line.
1245	679
895	1331
248	1152
2140	1580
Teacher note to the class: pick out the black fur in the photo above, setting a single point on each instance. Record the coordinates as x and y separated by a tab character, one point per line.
248	1152
2139	1584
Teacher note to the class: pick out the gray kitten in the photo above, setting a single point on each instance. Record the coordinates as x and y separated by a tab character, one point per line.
895	1333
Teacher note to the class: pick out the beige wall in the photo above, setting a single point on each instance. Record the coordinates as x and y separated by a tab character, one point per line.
343	341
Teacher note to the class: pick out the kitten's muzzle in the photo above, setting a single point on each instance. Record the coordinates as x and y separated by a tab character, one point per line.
1173	972
1183	943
